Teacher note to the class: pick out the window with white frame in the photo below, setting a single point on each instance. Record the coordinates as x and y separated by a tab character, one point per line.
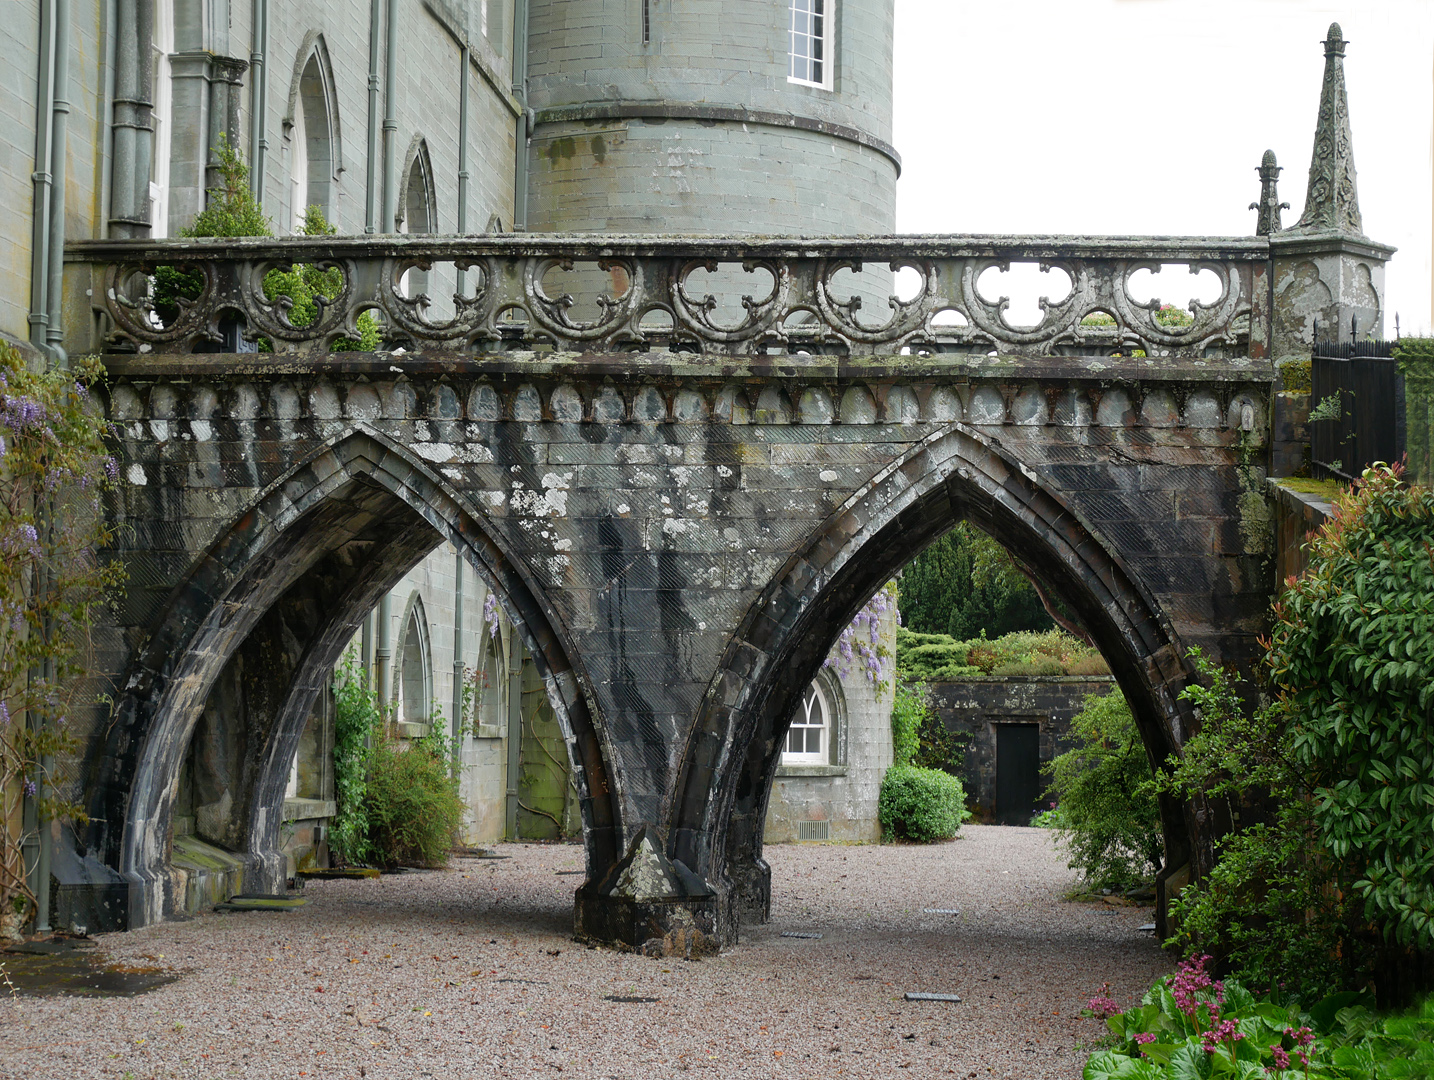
807	738
811	26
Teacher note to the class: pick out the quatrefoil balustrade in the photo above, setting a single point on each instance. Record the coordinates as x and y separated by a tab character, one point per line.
733	297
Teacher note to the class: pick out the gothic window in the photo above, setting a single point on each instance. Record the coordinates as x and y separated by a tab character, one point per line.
313	133
161	46
811	28
414	683
490	712
417	203
808	739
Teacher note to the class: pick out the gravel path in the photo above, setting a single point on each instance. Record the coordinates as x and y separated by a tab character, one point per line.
471	972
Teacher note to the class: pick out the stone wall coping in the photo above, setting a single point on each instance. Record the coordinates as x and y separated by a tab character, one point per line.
1024	680
309	809
1328	243
1322	508
1028	247
642	367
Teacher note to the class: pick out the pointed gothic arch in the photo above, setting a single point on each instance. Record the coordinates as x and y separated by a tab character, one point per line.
314	552
956	474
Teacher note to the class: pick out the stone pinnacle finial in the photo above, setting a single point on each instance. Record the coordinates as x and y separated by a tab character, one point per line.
1332	202
1269	205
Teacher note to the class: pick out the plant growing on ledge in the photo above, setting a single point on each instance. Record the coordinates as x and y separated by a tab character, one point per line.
54	472
232	211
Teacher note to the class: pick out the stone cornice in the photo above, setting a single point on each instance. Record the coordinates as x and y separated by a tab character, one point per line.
698	110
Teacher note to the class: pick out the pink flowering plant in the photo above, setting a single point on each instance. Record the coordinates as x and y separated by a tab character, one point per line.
1192	1026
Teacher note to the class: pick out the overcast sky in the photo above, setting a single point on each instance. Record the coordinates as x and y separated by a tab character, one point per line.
1150	116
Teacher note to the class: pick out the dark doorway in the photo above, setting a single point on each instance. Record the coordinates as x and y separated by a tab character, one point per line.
1018	772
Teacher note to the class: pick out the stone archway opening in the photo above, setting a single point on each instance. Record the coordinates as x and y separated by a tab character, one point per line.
959	476
246	648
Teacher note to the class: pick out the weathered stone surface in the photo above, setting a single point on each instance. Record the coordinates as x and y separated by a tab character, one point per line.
677	569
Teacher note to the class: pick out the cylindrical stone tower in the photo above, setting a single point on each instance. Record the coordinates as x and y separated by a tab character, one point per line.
711	116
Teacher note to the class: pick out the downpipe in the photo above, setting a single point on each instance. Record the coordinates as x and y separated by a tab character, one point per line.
524	122
43	178
390	121
55	330
457	723
258	143
372	195
515	731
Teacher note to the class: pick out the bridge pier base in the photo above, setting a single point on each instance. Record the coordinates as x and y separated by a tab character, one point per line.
651	904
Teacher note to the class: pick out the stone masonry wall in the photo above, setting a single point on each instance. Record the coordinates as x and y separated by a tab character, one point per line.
974	708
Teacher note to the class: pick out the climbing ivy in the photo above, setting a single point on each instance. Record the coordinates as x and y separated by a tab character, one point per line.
54	472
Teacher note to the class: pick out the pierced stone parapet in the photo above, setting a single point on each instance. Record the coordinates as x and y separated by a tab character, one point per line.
604	294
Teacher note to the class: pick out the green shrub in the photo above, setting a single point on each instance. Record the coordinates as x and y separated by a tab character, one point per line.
920	804
1335	887
941	658
1104	786
918	737
411	801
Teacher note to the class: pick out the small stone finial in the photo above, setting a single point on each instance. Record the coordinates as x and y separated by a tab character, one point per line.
1269	205
1332	202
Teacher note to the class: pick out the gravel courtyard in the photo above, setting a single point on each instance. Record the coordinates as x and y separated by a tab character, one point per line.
472	972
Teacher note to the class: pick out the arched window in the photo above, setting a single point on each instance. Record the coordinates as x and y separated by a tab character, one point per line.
313	134
490	714
809	737
418	205
161	47
413	685
417	200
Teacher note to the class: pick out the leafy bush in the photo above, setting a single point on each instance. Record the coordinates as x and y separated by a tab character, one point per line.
918	737
920	804
398	802
356	716
1191	1026
1335	886
1109	813
941	658
411	801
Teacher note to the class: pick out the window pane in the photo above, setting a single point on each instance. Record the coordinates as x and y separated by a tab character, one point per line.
814	740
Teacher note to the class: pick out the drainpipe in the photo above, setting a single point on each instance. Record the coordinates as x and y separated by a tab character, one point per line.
515	730
384	650
524	125
258	143
55	330
390	120
463	160
43	178
371	193
457	661
107	130
366	651
127	104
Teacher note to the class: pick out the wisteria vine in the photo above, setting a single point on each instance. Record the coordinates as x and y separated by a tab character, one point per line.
54	470
860	648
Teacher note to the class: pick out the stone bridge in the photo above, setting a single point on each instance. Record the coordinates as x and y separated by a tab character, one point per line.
682	501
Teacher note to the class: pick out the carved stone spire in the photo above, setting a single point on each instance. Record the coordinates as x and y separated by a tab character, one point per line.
1269	205
1332	203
